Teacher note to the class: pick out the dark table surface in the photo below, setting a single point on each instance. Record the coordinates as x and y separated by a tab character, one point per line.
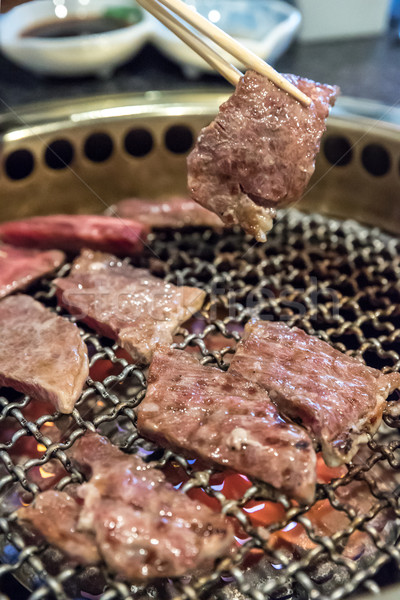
368	68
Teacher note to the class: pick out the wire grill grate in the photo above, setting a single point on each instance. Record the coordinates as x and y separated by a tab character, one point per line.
338	280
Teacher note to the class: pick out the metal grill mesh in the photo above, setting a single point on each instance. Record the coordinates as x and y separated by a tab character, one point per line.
339	281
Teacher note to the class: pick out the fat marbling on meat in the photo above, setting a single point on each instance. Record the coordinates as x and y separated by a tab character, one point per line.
41	354
175	212
124	237
259	153
226	420
125	303
135	521
335	397
19	267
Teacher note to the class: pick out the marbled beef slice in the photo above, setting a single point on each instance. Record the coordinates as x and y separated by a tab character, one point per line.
259	153
227	421
335	397
126	304
41	354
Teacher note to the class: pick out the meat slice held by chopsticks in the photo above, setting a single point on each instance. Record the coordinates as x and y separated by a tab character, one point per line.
259	153
124	237
175	212
41	354
225	420
140	525
126	304
20	267
335	397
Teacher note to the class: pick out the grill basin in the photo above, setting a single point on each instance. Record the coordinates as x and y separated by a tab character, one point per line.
338	280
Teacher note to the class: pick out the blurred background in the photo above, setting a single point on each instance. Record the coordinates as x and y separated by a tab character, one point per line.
353	43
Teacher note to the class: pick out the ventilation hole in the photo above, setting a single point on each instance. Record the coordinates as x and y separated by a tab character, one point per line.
338	151
138	142
375	361
375	159
179	139
59	154
349	340
19	164
98	147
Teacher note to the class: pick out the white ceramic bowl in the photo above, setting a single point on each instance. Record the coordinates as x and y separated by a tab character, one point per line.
94	54
264	26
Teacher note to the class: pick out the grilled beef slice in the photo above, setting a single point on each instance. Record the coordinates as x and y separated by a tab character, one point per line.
137	522
55	516
226	420
41	354
259	153
175	212
71	233
126	304
20	267
335	397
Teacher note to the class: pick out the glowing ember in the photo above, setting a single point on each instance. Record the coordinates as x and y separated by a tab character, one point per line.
103	368
326	474
41	448
260	513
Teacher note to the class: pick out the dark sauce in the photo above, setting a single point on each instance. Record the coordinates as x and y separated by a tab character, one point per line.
62	28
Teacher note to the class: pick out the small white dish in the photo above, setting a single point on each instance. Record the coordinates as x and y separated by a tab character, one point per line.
94	54
264	26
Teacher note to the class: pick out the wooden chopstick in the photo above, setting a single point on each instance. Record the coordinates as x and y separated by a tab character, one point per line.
191	39
225	41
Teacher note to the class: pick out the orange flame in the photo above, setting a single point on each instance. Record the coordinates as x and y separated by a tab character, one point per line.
41	448
45	474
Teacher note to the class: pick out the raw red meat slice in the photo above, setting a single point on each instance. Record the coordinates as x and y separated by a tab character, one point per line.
175	212
41	354
226	420
126	304
124	237
259	153
21	266
335	397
